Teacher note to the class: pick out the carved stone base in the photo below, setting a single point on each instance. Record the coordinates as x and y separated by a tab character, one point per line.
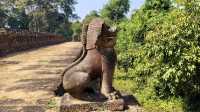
75	105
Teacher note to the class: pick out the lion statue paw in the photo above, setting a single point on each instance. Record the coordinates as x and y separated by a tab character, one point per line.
114	95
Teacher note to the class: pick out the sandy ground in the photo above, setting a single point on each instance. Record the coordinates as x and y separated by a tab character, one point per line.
29	78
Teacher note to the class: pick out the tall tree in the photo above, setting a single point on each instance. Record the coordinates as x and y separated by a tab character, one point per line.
161	46
92	14
3	15
76	28
157	4
115	10
38	15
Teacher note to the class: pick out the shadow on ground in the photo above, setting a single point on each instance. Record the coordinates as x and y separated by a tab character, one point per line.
45	84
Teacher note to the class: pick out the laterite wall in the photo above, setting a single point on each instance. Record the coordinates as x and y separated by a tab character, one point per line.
19	40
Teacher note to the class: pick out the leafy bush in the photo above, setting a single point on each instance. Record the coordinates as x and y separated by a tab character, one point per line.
161	49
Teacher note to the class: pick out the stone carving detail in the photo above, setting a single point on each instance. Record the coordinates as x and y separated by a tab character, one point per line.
93	71
16	40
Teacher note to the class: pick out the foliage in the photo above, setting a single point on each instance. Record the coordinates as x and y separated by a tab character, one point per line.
90	16
51	104
38	15
160	47
76	28
115	10
157	4
3	15
128	84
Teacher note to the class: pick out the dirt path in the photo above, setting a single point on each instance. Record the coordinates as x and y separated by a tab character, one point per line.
28	78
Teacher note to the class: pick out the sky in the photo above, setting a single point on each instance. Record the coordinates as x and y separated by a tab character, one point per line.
85	6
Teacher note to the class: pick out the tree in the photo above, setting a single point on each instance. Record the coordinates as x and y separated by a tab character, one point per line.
68	7
161	46
3	15
18	19
38	22
157	4
92	14
52	16
76	28
38	15
115	10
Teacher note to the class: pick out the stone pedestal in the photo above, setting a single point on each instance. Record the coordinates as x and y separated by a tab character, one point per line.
75	105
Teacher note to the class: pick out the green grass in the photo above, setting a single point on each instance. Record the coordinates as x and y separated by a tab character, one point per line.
52	104
145	97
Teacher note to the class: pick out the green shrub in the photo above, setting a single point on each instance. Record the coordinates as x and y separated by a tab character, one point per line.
161	49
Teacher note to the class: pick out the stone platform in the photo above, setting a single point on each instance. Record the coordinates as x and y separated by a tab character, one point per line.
76	105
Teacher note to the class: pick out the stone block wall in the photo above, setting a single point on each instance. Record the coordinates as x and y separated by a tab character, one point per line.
19	40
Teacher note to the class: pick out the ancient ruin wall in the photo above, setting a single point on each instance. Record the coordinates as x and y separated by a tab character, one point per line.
19	40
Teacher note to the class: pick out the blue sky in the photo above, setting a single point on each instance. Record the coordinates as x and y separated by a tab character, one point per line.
85	6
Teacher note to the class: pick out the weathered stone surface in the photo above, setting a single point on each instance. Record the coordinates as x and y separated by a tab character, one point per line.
35	108
27	79
19	40
97	62
75	105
